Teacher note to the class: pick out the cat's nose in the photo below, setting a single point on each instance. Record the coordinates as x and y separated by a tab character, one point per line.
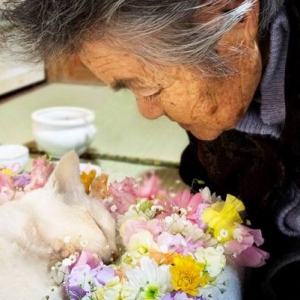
115	255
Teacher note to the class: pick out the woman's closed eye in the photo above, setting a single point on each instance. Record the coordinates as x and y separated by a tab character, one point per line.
148	93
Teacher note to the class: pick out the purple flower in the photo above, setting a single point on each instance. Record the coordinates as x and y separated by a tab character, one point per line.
83	279
80	281
21	180
103	274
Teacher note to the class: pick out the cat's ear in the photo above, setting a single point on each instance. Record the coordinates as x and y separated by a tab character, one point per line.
65	178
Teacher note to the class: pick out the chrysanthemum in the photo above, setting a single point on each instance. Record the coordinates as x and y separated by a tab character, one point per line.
187	275
179	224
149	280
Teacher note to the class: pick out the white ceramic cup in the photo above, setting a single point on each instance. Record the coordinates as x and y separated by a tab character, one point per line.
11	155
59	129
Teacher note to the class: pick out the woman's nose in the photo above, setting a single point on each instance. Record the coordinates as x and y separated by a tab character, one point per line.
150	109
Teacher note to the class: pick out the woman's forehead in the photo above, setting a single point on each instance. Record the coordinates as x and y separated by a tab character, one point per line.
113	65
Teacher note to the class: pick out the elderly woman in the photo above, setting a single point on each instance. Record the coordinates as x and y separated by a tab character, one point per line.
227	71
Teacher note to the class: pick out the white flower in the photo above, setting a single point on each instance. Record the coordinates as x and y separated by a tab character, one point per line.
72	258
128	217
179	224
58	265
84	243
149	280
168	220
66	262
112	290
175	224
142	242
113	208
58	272
206	195
53	289
53	293
213	258
67	239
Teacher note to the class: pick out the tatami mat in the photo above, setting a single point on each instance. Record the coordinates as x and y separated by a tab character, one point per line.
121	130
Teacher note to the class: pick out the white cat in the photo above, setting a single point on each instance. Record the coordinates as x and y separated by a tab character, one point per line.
33	230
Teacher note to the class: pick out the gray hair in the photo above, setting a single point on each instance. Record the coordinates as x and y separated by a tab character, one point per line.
156	30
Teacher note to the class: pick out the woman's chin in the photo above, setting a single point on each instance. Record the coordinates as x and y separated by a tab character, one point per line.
202	134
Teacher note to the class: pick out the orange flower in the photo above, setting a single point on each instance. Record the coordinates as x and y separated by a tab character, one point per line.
87	179
161	258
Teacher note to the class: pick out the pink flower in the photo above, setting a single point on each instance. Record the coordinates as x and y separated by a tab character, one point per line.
187	204
40	173
150	187
154	226
86	258
7	191
244	249
201	208
124	194
16	167
252	257
177	243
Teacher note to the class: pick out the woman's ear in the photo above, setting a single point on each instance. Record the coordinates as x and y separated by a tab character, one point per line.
244	34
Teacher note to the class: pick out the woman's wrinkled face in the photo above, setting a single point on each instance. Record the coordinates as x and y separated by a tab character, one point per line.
204	105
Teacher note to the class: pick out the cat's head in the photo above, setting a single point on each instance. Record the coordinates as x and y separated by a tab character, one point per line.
65	218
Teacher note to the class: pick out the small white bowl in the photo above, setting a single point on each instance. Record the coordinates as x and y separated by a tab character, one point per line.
60	129
13	154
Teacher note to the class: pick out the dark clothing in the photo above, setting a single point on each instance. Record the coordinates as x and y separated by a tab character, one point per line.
264	172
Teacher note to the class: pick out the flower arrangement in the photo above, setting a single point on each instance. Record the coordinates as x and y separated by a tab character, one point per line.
14	184
172	245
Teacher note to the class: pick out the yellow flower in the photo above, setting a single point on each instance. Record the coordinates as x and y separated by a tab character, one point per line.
87	179
8	172
188	275
222	216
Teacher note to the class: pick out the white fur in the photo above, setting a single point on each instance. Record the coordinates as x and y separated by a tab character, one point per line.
33	230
